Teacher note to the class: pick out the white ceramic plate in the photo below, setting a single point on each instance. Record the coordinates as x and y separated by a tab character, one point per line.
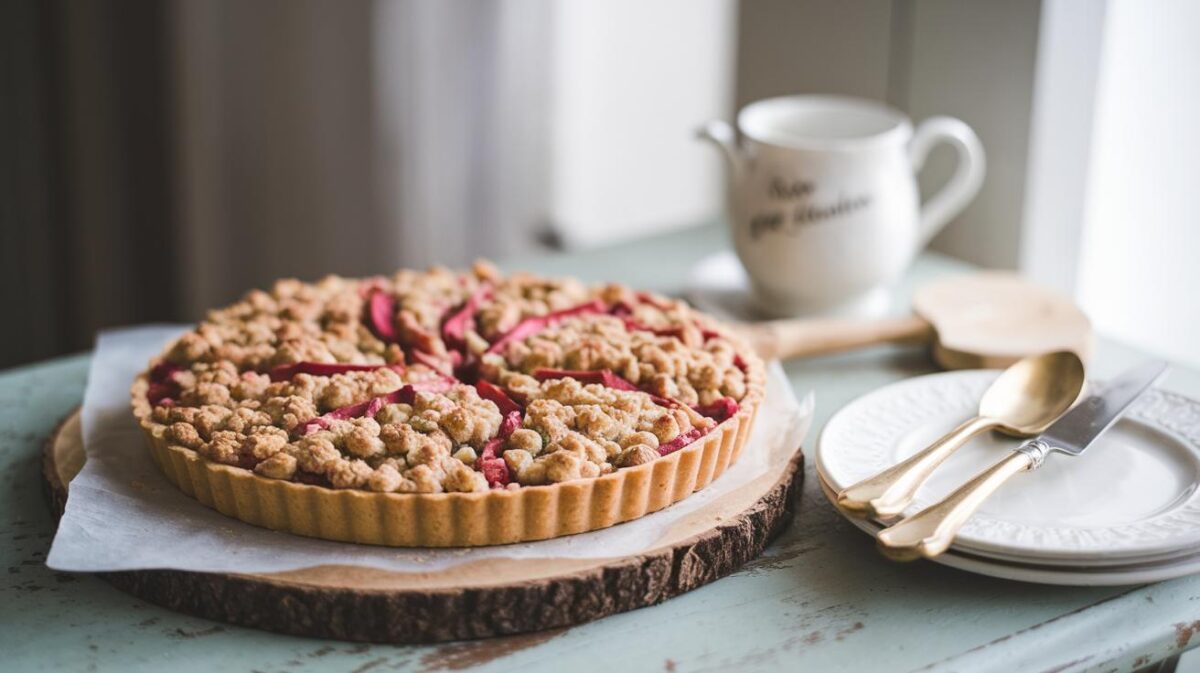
1064	574
1131	498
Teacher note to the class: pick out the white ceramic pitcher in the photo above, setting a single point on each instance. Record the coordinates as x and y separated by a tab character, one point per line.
823	197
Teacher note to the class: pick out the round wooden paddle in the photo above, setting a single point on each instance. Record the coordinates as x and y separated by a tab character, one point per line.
981	321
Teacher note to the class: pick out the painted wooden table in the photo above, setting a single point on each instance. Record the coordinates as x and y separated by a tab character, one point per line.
821	599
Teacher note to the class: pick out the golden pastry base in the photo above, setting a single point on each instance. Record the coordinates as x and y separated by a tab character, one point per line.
453	519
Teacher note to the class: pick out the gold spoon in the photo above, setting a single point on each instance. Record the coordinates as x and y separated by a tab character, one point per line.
1021	402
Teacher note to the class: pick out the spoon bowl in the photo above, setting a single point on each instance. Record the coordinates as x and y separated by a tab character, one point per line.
1031	394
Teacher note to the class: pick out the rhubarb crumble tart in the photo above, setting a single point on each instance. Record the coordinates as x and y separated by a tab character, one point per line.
440	408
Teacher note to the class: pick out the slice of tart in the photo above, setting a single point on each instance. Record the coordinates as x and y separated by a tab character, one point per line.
448	409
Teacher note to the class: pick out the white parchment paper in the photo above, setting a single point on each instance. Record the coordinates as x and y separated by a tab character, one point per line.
123	514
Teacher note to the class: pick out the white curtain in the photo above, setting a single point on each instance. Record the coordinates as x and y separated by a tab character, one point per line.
463	105
168	156
354	138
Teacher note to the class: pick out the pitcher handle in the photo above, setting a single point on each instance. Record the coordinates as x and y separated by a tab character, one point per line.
723	135
968	174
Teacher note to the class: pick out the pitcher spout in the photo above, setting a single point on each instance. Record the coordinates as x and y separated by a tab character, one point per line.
722	135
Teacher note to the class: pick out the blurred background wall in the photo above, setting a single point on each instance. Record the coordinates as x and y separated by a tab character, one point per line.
86	195
159	157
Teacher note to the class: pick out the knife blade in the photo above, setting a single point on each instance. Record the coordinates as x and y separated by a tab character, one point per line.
1086	421
931	531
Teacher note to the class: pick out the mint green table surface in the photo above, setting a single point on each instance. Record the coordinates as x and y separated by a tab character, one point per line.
820	599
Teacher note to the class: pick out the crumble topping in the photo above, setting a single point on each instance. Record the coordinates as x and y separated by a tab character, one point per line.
437	381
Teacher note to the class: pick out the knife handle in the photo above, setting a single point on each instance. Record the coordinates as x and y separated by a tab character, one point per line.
930	531
887	494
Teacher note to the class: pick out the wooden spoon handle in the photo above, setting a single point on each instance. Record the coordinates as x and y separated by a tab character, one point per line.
785	339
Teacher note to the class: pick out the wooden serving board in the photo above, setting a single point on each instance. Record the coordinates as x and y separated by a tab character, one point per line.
505	597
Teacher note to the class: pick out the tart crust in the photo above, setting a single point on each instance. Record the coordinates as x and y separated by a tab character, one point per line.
491	517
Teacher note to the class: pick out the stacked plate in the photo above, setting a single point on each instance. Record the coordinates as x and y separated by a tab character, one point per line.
1126	512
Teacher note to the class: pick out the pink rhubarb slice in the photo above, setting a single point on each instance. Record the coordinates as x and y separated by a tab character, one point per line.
490	391
680	441
288	372
455	326
371	285
405	395
163	389
510	424
530	326
493	467
632	325
604	377
445	366
676	331
718	410
661	304
381	316
490	461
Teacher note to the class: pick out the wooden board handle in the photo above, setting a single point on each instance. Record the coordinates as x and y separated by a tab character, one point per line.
785	339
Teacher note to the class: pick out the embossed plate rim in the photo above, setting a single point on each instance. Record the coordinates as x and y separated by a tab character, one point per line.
1088	575
899	408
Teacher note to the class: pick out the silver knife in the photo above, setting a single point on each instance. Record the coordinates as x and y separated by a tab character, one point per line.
930	531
